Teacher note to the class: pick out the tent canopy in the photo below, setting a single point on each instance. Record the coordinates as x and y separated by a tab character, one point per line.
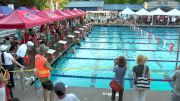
158	12
61	13
21	19
49	15
174	12
142	12
128	11
25	8
78	12
71	13
82	11
34	8
5	10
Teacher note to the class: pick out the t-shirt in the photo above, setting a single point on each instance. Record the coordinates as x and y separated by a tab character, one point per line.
70	97
119	74
7	57
21	52
177	82
139	70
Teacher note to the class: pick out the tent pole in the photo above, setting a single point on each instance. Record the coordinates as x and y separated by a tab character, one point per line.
152	20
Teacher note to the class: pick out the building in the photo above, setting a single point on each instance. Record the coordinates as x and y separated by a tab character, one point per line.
166	5
161	3
86	5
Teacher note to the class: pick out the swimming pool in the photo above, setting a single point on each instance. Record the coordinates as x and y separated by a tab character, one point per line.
91	65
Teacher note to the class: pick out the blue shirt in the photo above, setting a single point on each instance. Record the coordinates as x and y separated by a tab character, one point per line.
119	74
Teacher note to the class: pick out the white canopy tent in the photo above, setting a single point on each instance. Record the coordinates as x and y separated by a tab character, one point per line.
142	12
174	12
127	11
158	11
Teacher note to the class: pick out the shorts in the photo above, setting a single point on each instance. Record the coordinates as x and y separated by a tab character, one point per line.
48	85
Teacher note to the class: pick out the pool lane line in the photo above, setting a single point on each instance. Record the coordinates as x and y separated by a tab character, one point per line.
130	31
131	35
135	34
100	68
124	42
130	38
104	78
113	59
124	49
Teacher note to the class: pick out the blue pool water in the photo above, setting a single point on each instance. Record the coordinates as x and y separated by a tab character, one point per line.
94	58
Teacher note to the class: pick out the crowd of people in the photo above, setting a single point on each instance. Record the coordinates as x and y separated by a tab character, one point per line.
33	44
44	39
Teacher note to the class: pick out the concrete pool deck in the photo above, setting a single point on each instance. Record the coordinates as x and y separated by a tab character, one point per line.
88	94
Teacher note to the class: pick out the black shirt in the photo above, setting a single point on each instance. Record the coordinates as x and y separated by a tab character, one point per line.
139	70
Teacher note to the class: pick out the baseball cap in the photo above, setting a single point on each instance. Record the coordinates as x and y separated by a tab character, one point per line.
59	88
3	48
30	43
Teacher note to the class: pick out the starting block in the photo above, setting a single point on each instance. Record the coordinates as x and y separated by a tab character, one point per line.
63	43
72	37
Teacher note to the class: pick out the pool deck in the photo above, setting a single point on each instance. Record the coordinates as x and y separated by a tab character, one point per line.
88	94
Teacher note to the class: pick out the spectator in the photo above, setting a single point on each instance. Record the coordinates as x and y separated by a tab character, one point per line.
176	90
22	50
2	86
120	70
42	70
139	94
60	91
7	61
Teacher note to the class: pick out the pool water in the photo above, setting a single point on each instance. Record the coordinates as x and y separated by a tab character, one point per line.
95	57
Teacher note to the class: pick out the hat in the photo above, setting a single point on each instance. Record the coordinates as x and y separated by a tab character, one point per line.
3	48
43	47
59	88
30	43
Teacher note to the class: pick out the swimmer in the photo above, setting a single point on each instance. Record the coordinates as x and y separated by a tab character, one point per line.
164	44
171	48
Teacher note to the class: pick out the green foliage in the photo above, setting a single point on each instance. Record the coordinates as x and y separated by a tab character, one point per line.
63	3
124	1
42	4
45	4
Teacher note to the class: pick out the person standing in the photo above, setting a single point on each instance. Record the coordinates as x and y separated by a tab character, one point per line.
176	89
2	86
60	91
120	71
22	51
7	61
139	94
42	70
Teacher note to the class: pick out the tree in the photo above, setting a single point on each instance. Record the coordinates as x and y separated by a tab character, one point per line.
42	4
45	4
26	3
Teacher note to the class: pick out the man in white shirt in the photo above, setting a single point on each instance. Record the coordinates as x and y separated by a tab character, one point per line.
62	96
21	51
